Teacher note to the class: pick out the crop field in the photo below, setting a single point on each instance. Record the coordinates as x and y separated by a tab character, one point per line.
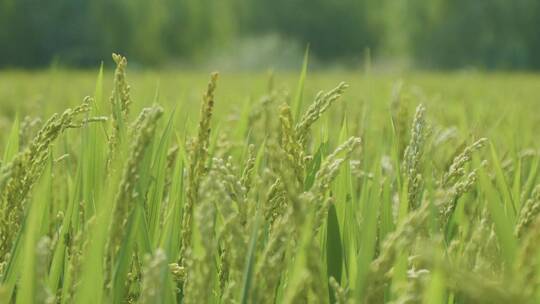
131	186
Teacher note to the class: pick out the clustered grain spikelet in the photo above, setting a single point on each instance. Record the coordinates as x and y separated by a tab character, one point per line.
19	175
120	101
413	155
154	274
529	211
198	156
322	102
127	192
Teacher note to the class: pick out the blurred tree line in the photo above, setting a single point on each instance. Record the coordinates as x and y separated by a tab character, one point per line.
431	33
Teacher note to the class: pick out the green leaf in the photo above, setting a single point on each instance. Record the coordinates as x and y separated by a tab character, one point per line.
334	250
12	145
159	168
502	185
298	97
370	214
503	224
250	259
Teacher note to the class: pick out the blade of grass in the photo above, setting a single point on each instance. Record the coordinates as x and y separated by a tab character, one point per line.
12	144
299	95
334	250
502	185
503	225
250	259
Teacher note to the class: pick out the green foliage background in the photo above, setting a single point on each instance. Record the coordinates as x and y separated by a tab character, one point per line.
429	33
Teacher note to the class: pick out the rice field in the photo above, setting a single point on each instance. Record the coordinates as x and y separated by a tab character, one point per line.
131	186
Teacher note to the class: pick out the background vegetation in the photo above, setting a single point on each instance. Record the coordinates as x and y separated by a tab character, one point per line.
426	33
